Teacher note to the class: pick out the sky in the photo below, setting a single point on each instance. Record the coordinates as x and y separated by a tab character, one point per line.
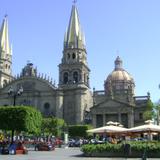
126	28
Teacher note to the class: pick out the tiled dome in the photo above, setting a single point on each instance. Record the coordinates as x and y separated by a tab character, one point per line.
119	80
119	75
29	70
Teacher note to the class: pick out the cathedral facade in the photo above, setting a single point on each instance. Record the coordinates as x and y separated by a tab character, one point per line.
117	102
72	99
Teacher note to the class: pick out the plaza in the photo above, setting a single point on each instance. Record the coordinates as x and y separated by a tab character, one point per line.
59	154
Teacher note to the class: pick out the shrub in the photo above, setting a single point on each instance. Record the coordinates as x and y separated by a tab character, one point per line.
78	130
90	148
150	146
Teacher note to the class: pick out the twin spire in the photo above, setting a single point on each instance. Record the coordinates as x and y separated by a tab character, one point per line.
4	38
74	37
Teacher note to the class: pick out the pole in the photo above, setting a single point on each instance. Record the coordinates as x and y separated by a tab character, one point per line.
14	94
14	99
14	104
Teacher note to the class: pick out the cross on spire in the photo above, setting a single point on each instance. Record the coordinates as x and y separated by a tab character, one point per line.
117	52
74	1
6	15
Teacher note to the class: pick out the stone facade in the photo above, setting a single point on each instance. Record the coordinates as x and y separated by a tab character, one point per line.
5	55
117	102
72	99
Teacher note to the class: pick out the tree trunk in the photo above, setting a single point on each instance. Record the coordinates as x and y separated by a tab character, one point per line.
12	135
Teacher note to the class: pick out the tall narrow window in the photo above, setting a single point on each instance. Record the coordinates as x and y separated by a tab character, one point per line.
46	109
73	55
84	78
75	77
68	55
65	78
4	82
46	106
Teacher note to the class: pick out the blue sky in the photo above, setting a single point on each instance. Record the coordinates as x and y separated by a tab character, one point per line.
128	28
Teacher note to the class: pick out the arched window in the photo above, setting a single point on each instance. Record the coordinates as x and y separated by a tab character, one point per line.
87	80
75	77
4	82
46	106
65	78
46	109
84	78
68	55
73	55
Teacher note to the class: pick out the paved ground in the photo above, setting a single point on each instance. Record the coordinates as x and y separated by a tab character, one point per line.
59	154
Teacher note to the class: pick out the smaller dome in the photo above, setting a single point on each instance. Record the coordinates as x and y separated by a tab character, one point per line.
119	80
29	70
119	75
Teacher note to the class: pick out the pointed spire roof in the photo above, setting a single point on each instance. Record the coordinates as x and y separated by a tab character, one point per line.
4	37
74	37
118	63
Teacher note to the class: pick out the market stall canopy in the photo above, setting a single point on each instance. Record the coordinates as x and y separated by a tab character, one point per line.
108	129
148	127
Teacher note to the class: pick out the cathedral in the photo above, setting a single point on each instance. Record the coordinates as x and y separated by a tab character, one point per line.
72	100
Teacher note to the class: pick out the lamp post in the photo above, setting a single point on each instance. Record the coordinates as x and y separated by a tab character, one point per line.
15	93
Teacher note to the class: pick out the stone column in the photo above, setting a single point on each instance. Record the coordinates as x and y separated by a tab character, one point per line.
130	119
59	105
78	107
104	119
119	117
94	120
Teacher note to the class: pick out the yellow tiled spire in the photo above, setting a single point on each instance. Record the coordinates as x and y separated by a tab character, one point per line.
4	37
74	37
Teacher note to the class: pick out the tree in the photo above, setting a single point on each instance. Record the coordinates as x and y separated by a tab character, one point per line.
78	130
148	114
53	126
156	113
20	118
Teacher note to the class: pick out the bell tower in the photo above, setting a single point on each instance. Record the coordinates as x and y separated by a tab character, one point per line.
5	54
74	72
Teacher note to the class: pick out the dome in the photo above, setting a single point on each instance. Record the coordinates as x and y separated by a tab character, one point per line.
119	75
119	80
29	70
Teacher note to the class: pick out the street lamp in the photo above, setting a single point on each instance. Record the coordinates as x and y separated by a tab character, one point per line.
15	93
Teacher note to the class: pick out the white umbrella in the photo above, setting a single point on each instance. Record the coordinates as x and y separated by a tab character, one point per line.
108	129
145	128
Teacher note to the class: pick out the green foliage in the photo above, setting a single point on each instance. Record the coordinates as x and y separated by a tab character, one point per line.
156	113
78	130
148	114
92	148
153	146
150	146
53	126
20	118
